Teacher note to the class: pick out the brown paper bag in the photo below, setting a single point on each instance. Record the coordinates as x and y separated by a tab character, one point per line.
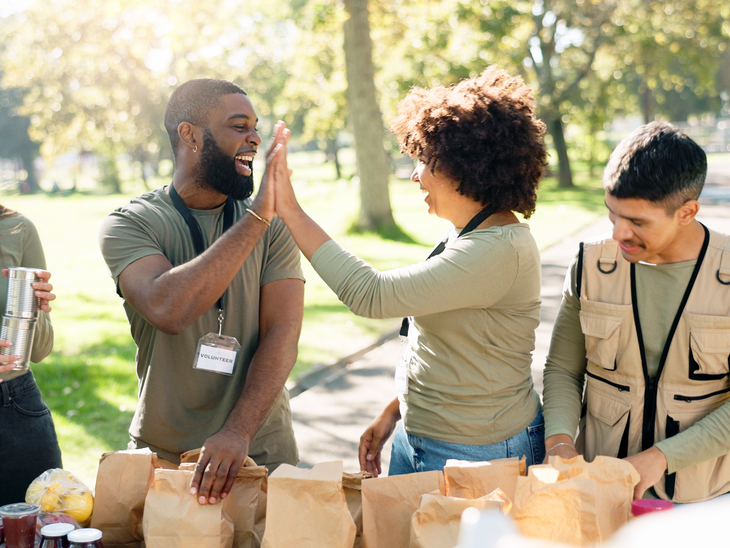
472	480
573	501
121	487
307	508
352	485
436	522
242	504
173	518
388	504
615	481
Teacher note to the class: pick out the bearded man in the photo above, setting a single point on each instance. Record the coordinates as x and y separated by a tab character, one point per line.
213	291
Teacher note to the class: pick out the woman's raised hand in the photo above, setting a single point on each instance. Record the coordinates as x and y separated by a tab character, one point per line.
265	202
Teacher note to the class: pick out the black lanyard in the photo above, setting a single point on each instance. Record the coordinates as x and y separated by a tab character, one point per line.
478	219
194	227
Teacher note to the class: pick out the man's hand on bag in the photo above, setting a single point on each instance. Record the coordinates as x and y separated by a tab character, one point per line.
651	465
220	460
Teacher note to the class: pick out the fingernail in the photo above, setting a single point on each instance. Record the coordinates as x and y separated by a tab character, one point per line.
369	457
202	500
193	490
212	500
224	495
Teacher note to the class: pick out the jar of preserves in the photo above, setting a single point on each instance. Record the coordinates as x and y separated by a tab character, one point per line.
85	538
19	521
55	535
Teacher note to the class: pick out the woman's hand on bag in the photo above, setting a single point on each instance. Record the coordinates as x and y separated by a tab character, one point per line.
374	438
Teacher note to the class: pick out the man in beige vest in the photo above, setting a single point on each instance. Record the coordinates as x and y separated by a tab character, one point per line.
639	357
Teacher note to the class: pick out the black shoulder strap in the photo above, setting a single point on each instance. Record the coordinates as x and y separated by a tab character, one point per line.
579	271
475	221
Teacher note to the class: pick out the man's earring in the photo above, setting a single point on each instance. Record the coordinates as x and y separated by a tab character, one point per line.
195	148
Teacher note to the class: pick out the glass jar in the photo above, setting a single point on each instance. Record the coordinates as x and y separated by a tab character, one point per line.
19	522
55	535
85	538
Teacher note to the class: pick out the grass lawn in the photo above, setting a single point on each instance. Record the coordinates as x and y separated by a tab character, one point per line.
89	380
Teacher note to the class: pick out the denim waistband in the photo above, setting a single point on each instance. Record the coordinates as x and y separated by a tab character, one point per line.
18	385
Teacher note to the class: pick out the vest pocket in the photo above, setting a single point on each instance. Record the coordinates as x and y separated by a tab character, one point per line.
709	353
602	338
705	479
606	419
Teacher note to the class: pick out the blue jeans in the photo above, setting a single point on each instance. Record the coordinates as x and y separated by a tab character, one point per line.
28	444
418	454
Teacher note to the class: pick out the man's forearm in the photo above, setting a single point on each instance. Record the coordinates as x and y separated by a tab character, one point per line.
267	375
154	287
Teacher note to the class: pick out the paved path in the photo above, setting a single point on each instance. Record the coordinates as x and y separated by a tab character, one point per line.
330	416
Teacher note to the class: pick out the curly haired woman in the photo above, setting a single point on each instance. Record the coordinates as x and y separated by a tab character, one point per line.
465	383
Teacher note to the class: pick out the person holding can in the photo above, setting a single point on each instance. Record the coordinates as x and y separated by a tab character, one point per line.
464	381
28	443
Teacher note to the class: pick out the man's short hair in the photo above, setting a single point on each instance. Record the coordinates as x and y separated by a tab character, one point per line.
192	101
658	163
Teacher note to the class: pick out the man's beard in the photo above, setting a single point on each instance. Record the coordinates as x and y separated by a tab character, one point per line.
217	170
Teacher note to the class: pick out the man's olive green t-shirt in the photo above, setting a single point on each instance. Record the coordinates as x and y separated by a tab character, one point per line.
21	246
476	307
180	407
659	291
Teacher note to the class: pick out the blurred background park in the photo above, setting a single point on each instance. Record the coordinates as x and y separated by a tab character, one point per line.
84	84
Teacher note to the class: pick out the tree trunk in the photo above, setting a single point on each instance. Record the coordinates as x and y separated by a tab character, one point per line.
565	175
372	163
647	104
26	158
332	150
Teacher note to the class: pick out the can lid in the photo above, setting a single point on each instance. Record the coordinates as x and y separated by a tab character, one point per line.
84	535
19	510
57	529
645	506
22	272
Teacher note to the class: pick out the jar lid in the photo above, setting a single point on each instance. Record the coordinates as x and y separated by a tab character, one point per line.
57	529
19	510
84	535
645	506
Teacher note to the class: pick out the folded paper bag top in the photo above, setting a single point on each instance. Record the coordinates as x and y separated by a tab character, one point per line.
472	480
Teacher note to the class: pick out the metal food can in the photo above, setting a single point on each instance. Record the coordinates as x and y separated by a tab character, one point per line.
20	332
22	302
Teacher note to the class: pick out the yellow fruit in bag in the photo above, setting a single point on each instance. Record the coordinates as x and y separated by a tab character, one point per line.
58	490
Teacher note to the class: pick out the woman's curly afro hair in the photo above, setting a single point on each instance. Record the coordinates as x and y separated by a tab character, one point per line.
482	133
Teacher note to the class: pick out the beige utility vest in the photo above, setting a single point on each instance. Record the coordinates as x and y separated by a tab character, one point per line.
626	411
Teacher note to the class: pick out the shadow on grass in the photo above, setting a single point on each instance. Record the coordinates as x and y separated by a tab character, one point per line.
389	231
86	388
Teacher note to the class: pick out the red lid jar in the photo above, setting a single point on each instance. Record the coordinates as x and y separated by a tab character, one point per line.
646	506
